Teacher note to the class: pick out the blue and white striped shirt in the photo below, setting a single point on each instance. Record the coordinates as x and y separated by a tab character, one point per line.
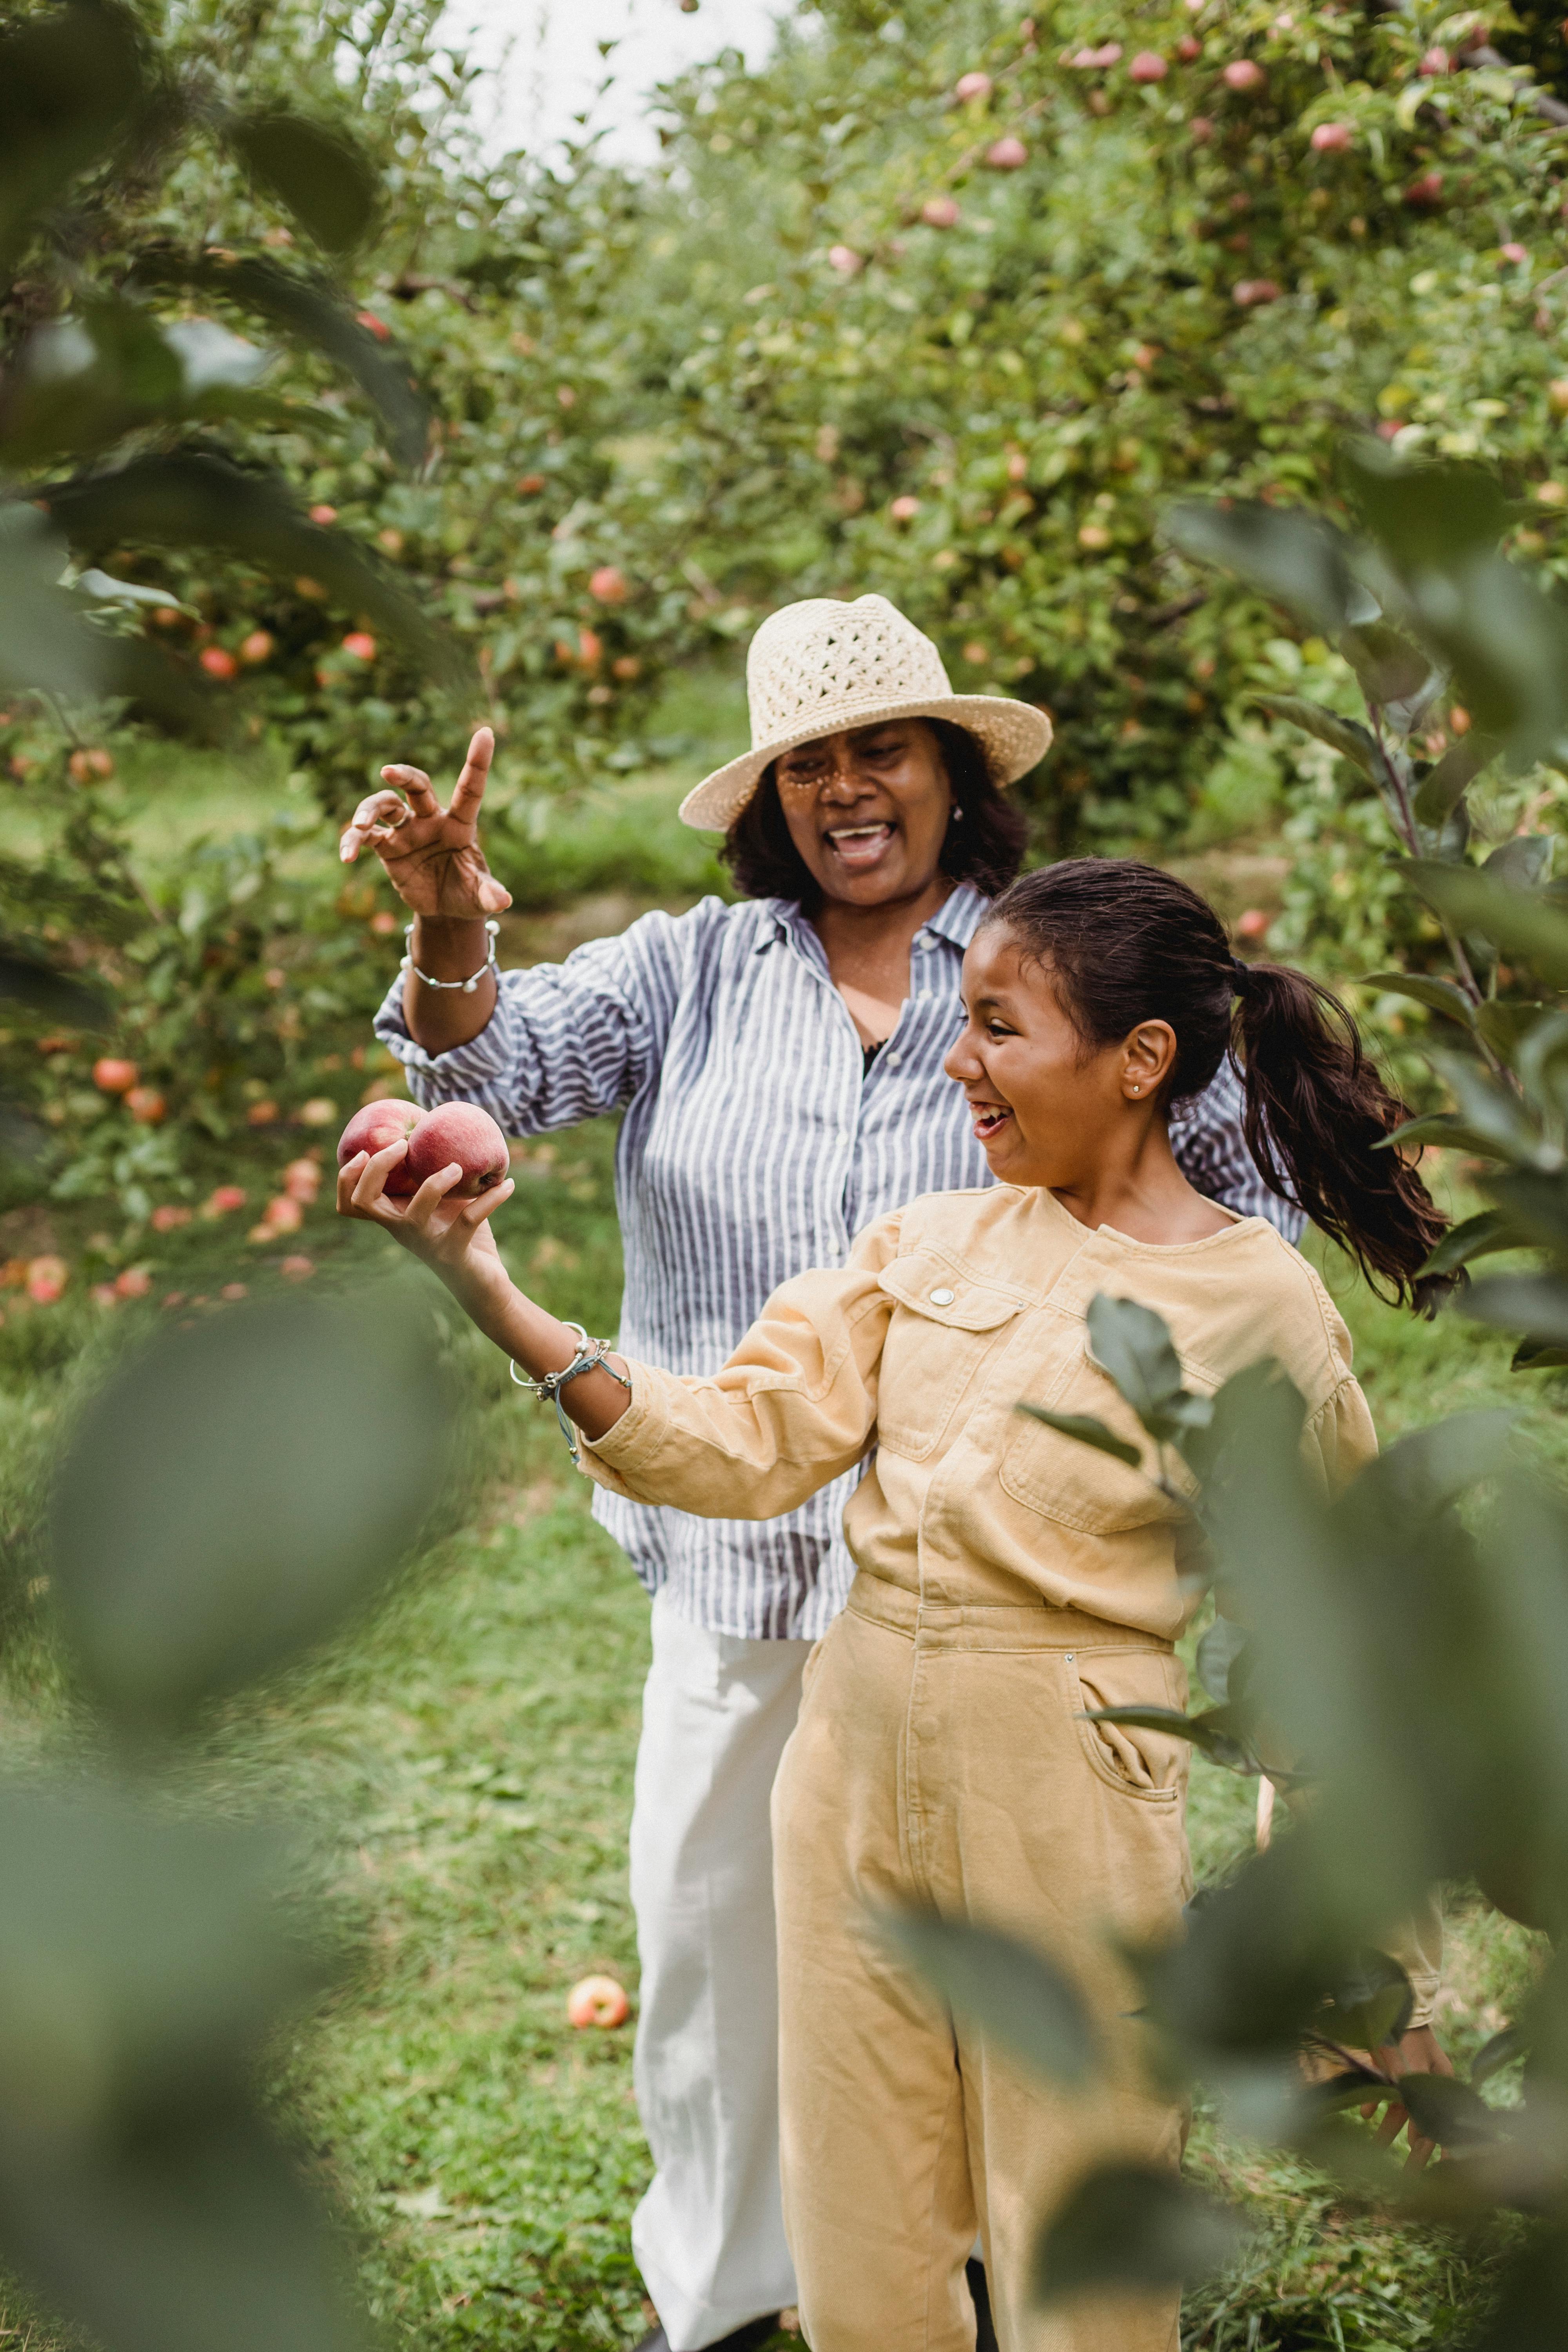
755	1144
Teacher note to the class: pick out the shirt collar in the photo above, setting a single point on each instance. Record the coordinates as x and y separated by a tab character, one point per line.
956	921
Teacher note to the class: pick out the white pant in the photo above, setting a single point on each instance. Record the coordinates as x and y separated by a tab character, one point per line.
708	2236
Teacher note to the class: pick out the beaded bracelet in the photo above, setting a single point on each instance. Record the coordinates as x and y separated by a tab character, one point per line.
590	1357
468	986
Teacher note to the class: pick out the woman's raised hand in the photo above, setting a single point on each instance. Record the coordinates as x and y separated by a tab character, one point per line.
431	854
452	1237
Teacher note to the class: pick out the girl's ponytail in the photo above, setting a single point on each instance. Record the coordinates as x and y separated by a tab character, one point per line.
1128	943
1317	1112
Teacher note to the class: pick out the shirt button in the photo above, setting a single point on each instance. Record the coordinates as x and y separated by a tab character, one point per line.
893	1060
924	941
941	1298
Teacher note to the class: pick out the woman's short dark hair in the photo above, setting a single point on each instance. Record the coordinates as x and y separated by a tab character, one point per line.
984	847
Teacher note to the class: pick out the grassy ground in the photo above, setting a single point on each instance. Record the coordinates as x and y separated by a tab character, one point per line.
464	1765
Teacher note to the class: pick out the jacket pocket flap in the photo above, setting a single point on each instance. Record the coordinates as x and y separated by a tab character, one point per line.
934	1290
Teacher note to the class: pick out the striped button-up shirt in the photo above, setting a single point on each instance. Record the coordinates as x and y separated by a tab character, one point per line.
755	1144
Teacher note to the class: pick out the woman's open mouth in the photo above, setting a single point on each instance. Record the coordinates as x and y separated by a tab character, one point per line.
989	1119
859	846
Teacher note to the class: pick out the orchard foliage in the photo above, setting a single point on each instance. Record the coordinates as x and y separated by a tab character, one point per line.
975	292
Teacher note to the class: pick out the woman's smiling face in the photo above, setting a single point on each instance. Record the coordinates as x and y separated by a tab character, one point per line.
1044	1103
867	810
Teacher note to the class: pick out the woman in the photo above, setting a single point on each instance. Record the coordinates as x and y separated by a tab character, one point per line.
781	1064
1010	1580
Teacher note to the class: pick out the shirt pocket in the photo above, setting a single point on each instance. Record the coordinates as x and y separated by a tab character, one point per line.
1075	1485
944	1326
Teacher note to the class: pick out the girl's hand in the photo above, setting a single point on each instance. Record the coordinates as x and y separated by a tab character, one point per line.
1419	2052
452	1237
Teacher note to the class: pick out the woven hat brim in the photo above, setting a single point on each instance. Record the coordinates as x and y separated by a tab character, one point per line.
1012	735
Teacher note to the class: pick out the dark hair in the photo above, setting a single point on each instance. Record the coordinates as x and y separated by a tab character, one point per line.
984	845
1126	942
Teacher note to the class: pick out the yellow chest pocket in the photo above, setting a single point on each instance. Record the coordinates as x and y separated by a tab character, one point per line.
1065	1480
945	1326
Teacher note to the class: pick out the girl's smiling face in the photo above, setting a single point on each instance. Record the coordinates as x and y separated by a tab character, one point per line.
1045	1104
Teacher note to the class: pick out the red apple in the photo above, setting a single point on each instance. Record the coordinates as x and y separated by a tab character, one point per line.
940	212
1008	154
609	584
597	2000
218	662
905	508
372	1129
845	259
462	1132
113	1076
134	1283
1189	48
1243	73
1422	195
1514	253
227	1197
1253	924
361	644
259	646
1435	61
46	1279
169	1215
1250	291
530	485
372	325
1147	66
323	514
1330	137
146	1104
971	85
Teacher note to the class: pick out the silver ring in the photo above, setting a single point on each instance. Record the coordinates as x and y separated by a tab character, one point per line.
391	825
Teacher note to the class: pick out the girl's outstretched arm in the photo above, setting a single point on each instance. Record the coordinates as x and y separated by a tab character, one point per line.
454	1239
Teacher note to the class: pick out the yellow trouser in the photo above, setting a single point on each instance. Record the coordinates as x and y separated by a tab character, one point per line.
940	1756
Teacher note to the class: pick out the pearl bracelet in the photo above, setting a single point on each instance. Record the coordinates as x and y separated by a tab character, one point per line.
468	985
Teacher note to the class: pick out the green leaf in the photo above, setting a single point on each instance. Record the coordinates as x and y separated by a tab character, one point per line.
1537	1356
1501	2050
1130	2227
71	81
199	500
1442	1128
233	1491
1536	1304
1477	1238
1504	1023
1217	1652
1132	1344
1442	790
326	182
1425	515
1087	1430
312	310
1439	995
1214	1732
1292	557
1344	735
1371	2004
1004	1987
1525	861
1444	2109
1392	671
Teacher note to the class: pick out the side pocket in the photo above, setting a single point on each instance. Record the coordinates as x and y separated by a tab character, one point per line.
1149	1766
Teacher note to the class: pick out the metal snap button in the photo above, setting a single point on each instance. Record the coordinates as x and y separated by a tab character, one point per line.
894	1059
941	1298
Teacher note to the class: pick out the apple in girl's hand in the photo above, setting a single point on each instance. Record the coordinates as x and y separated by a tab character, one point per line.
372	1129
463	1132
597	2000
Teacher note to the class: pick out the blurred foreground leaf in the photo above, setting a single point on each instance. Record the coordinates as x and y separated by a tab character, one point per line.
1130	2227
326	183
234	1489
70	82
1004	1987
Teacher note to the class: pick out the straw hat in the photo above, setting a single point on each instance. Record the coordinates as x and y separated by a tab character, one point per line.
820	666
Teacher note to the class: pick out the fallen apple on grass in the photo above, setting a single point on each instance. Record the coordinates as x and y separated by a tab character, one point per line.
597	2000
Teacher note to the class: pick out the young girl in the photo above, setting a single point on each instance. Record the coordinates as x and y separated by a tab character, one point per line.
1010	1580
